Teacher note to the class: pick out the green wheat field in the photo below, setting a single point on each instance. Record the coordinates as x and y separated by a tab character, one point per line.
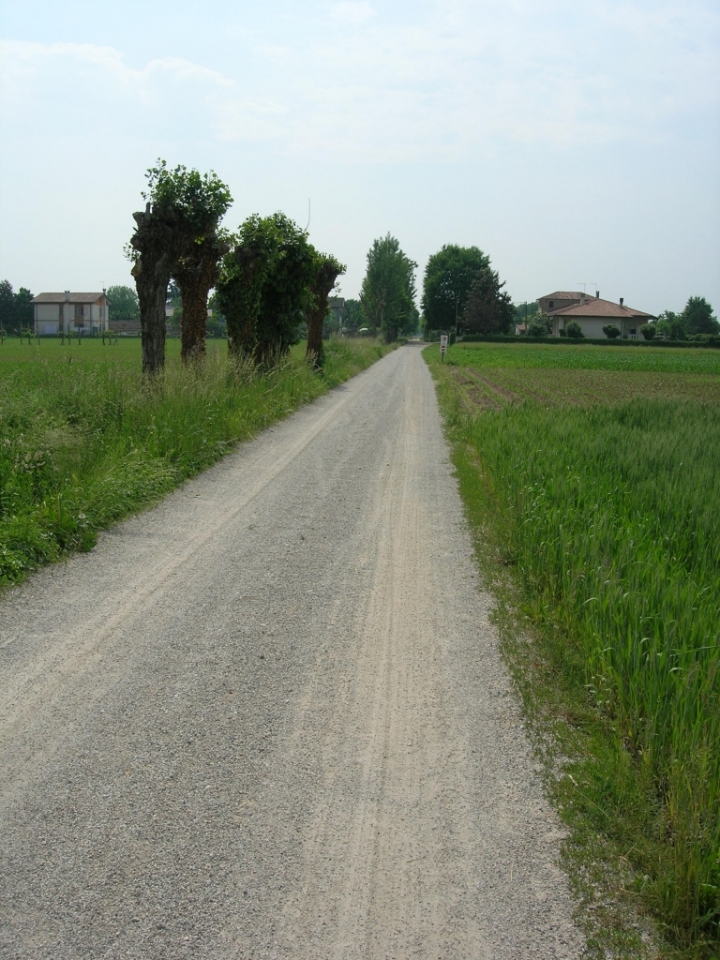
599	472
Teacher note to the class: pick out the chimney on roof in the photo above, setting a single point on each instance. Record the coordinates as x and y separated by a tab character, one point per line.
582	299
622	300
597	294
67	296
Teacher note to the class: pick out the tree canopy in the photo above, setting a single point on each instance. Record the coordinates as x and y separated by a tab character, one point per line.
200	199
355	318
123	302
449	277
488	308
388	289
177	235
671	325
264	286
16	311
698	316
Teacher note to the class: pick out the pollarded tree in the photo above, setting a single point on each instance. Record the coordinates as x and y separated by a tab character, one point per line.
263	287
388	289
202	200
449	277
488	308
196	272
182	213
326	270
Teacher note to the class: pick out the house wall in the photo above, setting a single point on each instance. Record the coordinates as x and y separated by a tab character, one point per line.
592	327
46	312
50	318
544	304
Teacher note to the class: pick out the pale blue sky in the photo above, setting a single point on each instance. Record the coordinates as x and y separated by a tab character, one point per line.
571	141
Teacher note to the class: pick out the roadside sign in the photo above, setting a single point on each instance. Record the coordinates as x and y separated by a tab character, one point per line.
443	345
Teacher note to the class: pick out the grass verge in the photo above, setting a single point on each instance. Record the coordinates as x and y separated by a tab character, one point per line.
596	530
84	442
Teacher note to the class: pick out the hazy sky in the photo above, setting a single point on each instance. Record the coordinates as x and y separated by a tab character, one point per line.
570	141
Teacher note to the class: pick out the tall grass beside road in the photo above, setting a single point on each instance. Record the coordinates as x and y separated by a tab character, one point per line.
84	442
608	514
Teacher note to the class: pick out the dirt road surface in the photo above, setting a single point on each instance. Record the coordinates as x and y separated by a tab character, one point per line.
268	719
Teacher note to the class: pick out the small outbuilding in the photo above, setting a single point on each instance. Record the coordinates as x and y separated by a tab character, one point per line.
592	314
70	313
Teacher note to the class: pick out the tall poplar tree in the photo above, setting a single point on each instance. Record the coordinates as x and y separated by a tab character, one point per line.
388	290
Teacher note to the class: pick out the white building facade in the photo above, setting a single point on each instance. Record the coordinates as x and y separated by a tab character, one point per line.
70	313
591	314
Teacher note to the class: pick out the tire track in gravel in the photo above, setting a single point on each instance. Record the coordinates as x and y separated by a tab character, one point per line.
269	719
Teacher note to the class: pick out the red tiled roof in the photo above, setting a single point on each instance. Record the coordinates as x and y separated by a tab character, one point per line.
71	298
566	295
600	308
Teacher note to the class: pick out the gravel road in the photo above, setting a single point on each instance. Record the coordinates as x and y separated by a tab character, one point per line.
268	718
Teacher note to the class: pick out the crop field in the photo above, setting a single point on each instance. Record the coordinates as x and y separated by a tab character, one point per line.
494	376
84	441
601	482
549	356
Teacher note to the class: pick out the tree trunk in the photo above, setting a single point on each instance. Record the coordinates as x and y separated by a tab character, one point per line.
154	241
325	277
195	274
242	307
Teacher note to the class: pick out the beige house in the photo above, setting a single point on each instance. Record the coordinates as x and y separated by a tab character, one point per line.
592	314
70	313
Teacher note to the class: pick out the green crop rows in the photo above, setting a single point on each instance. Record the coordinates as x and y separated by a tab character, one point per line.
609	514
529	356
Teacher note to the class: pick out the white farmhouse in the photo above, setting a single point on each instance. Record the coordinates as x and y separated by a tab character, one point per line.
592	314
70	313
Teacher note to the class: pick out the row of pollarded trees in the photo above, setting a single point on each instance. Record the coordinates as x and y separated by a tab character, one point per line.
268	277
463	293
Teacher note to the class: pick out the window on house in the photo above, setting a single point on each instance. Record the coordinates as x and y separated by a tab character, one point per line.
79	310
551	304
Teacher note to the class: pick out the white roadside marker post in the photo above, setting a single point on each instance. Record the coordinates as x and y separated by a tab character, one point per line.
443	346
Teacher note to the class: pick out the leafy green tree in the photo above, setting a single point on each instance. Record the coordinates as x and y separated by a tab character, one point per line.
671	325
488	309
449	277
326	270
698	316
525	311
388	290
263	287
123	302
574	330
355	317
540	327
611	331
648	330
7	306
23	308
177	235
16	309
